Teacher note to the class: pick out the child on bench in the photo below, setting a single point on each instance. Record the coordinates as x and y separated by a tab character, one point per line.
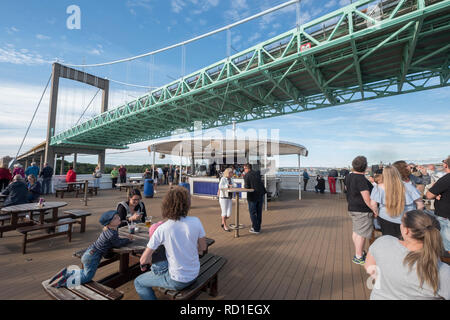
107	240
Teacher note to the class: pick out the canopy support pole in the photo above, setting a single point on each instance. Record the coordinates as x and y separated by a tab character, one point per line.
153	165
265	176
299	180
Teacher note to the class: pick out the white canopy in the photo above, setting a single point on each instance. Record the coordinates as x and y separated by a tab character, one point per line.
210	148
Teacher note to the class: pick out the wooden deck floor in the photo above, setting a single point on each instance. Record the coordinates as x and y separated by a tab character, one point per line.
303	252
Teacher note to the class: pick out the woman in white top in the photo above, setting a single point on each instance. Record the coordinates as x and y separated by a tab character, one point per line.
183	238
225	197
410	269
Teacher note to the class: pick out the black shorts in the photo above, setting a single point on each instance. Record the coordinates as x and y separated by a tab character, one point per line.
389	228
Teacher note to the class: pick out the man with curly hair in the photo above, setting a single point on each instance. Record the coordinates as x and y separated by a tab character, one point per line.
183	238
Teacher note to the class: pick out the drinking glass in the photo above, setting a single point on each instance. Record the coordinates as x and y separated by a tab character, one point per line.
148	221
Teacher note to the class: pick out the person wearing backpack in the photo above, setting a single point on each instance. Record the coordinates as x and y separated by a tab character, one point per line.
132	210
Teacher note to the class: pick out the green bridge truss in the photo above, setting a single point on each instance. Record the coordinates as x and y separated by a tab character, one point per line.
358	53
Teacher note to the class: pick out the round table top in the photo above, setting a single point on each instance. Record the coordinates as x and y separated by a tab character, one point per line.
238	190
129	184
33	207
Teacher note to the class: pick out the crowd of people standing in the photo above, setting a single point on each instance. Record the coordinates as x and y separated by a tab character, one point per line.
411	236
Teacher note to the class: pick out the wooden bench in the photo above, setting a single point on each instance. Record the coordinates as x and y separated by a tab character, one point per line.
79	216
7	217
63	189
89	291
210	265
93	190
38	227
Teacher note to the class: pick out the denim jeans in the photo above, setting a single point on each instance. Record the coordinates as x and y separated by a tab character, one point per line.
90	259
144	283
160	267
255	209
46	185
445	231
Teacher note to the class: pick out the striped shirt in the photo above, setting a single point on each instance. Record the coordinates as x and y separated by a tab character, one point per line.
107	240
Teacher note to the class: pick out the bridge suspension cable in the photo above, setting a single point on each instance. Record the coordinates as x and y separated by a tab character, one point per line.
183	43
132	85
92	100
32	119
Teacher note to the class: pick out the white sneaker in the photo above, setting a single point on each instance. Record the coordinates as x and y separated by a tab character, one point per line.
253	231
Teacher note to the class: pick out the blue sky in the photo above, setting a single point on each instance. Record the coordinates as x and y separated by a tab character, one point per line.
34	33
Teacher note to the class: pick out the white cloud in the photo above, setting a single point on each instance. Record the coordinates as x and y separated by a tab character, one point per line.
11	30
9	54
42	37
239	10
139	4
254	37
95	52
330	4
177	5
344	3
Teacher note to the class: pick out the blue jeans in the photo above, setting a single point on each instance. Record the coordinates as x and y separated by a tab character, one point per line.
46	185
146	281
255	209
90	259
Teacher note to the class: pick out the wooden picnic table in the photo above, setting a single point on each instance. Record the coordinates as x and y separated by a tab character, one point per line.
237	226
15	211
126	272
138	179
129	186
83	185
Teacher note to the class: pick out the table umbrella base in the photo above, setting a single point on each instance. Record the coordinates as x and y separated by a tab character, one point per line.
232	226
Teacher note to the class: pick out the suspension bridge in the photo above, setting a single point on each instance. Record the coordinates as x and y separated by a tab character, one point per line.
364	51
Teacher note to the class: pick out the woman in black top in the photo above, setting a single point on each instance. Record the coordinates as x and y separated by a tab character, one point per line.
132	210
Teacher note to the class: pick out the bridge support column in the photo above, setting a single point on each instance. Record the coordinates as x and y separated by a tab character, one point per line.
49	152
61	169
74	165
101	160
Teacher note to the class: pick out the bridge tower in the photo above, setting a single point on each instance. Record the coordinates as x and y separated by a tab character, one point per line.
60	71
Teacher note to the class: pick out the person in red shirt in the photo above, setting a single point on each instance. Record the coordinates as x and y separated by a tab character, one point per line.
123	174
71	175
5	177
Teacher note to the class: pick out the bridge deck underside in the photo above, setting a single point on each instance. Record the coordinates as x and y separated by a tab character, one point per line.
385	61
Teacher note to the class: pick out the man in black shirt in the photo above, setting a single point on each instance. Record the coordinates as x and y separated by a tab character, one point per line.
320	186
252	180
441	192
358	198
